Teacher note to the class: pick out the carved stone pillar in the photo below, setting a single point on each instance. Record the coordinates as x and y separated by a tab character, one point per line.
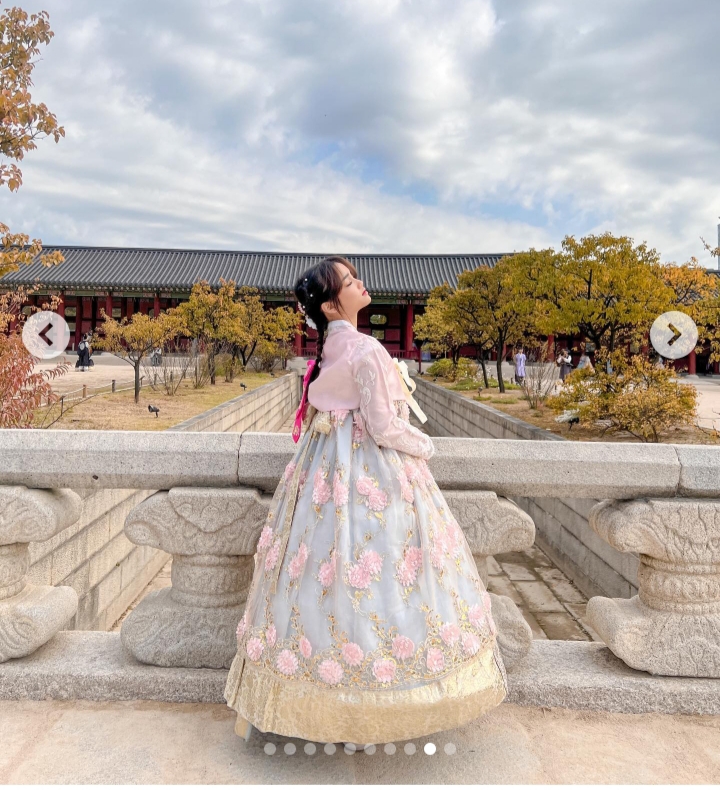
30	615
212	534
672	627
493	525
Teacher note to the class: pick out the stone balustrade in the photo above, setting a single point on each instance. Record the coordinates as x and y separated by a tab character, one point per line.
214	495
31	614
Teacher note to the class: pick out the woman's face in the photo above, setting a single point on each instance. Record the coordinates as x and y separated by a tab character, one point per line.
353	296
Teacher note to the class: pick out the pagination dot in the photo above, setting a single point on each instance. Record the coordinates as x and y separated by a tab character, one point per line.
429	748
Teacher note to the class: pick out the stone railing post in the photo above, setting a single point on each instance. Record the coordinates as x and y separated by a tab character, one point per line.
212	534
493	525
672	627
30	615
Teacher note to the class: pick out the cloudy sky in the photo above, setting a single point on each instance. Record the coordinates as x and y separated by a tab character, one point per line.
376	125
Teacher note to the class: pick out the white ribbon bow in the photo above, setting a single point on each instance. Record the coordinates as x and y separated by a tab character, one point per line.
409	386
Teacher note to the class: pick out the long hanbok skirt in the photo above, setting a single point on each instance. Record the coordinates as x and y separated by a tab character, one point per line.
366	620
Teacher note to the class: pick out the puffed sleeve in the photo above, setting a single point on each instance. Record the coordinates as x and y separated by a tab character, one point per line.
377	409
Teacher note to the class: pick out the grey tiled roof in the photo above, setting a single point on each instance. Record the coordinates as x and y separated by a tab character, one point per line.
120	269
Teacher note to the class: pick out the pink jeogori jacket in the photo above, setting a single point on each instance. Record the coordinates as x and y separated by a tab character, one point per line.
356	372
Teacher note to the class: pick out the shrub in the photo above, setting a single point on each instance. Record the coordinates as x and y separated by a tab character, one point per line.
445	369
636	397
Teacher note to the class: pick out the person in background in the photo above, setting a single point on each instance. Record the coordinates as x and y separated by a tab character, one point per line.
585	362
564	360
84	351
520	360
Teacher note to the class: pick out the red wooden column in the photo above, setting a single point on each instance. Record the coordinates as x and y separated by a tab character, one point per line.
156	306
108	304
297	345
551	346
78	319
409	316
692	363
61	304
130	307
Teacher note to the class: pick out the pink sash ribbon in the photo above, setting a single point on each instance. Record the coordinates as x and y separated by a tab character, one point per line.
302	408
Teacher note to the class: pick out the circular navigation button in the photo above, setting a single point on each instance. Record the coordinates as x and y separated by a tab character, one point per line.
673	334
46	334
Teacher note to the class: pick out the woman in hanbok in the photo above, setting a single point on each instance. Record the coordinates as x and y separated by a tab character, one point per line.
366	620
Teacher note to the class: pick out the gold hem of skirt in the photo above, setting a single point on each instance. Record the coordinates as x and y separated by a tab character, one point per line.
298	709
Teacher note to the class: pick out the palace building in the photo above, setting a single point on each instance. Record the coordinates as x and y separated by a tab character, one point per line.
123	281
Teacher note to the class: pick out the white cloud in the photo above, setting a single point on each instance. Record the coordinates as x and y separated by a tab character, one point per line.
329	126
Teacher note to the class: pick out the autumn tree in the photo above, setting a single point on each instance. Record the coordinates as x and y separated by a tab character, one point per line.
278	333
207	318
23	121
605	287
438	325
493	305
254	330
136	339
23	124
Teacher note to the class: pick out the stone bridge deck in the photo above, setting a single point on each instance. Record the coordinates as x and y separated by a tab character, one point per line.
79	742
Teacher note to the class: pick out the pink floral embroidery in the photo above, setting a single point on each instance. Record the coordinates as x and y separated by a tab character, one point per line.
340	414
359	577
330	671
405	574
254	648
266	537
364	486
403	647
271	635
414	557
321	490
297	563
470	643
352	654
476	615
287	663
327	573
340	491
358	433
377	499
406	489
242	627
450	633
435	660
426	473
437	553
413	472
271	557
302	479
384	670
455	539
372	562
289	470
305	647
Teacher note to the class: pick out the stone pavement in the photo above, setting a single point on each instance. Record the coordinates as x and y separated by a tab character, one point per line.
550	603
163	743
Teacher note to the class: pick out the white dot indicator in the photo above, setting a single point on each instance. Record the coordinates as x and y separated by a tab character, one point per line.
429	748
390	748
330	748
410	748
270	749
290	748
450	748
310	749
